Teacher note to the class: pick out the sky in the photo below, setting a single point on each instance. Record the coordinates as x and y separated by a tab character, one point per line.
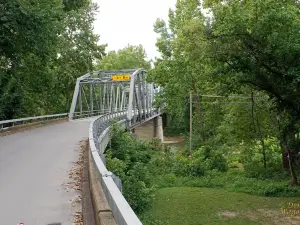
122	22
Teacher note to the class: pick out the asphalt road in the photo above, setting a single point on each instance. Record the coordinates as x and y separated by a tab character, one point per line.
34	165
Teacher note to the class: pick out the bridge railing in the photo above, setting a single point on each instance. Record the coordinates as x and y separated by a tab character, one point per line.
84	114
5	124
99	137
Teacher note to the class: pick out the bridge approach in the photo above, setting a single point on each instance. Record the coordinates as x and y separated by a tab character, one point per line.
35	163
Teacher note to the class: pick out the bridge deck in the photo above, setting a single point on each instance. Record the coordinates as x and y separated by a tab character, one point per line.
33	167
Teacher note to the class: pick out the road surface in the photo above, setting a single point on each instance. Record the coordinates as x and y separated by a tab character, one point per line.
34	164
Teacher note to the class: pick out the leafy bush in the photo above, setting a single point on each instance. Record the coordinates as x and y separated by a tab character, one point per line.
135	162
266	187
137	193
117	166
253	160
143	166
202	160
181	166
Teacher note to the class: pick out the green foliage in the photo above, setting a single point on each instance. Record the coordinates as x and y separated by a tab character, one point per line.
145	166
247	50
253	165
44	47
130	159
232	181
116	165
130	57
212	159
138	189
261	42
74	4
202	160
150	220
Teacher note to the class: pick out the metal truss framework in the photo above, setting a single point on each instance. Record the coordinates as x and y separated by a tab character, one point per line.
97	93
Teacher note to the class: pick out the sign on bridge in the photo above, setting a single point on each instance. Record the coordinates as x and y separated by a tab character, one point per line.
121	77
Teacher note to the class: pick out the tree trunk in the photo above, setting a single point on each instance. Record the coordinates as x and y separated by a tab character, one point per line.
293	173
264	152
288	140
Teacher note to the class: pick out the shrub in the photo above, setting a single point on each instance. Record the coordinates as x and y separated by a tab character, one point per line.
200	161
211	159
137	194
132	160
117	166
253	160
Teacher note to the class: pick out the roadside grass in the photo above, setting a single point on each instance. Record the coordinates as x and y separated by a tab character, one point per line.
197	206
232	181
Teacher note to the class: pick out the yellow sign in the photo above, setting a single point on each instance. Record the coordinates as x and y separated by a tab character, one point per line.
121	77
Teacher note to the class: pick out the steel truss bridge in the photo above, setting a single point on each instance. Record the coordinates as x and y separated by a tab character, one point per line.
114	91
102	96
125	96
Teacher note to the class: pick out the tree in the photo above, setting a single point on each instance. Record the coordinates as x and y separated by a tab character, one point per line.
44	47
257	43
183	67
130	57
77	50
244	47
28	38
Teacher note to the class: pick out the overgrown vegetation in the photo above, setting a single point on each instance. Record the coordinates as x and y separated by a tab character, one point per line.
45	45
145	167
241	64
130	160
130	57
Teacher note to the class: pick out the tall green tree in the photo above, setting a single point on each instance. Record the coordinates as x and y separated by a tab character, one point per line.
243	47
44	47
183	67
256	43
130	57
28	31
77	50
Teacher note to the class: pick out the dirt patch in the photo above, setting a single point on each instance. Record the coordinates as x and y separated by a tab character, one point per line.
273	217
78	219
227	214
75	173
75	184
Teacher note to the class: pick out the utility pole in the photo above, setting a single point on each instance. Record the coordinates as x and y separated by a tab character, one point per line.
191	120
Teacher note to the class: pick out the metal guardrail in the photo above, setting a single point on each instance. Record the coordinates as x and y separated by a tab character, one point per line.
4	124
99	137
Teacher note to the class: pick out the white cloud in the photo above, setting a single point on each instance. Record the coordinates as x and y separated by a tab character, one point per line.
122	22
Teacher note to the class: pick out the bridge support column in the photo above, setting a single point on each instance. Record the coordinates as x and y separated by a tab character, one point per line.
158	131
151	129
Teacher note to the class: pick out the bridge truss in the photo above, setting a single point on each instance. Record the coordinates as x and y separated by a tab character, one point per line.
114	91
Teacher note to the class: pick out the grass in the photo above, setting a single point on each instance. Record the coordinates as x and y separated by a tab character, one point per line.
197	206
231	181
